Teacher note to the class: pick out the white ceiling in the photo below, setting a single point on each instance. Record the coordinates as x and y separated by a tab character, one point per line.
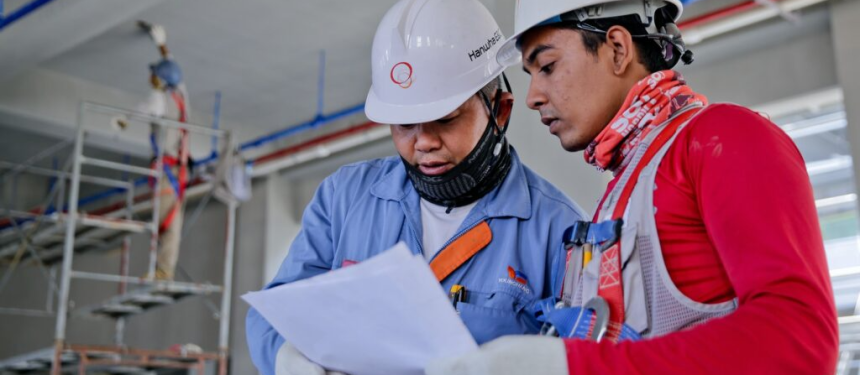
261	54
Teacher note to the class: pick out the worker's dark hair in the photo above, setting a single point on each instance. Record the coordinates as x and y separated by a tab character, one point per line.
650	53
490	88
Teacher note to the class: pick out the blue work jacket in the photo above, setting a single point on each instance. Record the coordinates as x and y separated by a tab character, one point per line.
367	207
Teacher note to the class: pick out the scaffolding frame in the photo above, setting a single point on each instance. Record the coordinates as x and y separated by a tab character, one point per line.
121	222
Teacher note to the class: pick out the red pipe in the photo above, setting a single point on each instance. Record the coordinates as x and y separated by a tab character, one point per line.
313	142
137	199
263	159
5	222
718	14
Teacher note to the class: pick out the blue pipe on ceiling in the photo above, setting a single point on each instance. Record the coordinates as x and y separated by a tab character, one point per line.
20	12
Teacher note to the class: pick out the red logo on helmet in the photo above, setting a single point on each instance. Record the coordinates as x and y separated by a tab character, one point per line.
401	74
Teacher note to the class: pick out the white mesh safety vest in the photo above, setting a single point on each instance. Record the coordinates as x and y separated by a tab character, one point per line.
653	305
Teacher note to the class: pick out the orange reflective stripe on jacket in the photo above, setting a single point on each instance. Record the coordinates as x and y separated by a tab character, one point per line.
462	249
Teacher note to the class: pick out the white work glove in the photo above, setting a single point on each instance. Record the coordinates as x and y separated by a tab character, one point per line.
159	36
290	361
509	355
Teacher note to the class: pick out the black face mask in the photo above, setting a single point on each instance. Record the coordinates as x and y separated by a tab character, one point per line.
480	172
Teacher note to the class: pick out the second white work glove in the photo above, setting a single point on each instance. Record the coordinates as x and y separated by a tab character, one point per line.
159	36
509	355
290	361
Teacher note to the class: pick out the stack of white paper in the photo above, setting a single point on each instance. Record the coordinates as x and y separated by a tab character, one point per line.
386	315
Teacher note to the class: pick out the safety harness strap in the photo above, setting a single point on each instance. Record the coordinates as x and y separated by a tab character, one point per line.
462	249
610	285
180	182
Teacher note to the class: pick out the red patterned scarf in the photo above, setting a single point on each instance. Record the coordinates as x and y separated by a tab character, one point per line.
650	102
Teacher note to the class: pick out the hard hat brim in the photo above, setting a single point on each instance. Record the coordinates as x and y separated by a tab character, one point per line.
509	55
393	114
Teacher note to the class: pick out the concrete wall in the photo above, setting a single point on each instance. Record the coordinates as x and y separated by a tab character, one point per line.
282	222
251	232
773	61
845	32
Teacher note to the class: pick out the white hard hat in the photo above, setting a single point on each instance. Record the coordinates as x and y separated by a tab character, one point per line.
531	13
429	57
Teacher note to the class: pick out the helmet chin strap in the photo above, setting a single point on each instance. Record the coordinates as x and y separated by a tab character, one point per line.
671	39
478	173
494	113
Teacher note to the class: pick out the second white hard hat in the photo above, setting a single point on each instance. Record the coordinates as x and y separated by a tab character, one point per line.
532	13
429	57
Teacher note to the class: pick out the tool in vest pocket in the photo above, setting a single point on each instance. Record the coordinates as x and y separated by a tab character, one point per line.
457	294
585	235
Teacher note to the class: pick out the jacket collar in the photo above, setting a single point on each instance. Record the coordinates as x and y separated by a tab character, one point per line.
510	199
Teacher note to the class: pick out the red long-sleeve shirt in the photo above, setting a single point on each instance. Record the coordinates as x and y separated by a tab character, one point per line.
736	218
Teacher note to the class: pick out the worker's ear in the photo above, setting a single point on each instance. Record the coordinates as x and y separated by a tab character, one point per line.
506	106
623	51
